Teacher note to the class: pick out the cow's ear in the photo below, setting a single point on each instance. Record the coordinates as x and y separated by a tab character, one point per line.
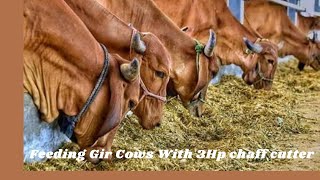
130	71
185	29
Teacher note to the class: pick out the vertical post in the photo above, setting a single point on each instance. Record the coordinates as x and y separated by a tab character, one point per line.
317	6
241	11
292	13
237	9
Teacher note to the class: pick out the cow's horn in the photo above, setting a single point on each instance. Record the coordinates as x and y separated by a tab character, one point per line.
130	71
310	36
254	47
137	44
315	37
208	50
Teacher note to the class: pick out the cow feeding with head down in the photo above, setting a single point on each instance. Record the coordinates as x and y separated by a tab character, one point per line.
193	63
126	41
270	20
72	78
256	56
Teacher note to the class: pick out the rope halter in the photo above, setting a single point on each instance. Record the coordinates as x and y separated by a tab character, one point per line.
199	50
146	92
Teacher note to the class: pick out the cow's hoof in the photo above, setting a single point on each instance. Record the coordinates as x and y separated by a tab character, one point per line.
93	160
88	158
109	159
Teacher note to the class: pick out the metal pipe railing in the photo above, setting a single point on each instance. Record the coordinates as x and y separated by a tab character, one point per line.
290	5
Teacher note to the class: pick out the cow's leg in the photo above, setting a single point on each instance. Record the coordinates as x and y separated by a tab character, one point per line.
109	141
105	143
98	145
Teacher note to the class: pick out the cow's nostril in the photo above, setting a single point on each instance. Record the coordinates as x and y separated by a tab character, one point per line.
158	124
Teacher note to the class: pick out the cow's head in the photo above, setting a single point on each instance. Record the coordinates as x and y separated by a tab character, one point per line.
314	61
263	64
155	71
202	68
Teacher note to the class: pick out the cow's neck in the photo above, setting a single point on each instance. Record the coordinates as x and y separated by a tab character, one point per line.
203	15
299	51
147	17
57	84
63	62
296	42
306	24
105	27
230	46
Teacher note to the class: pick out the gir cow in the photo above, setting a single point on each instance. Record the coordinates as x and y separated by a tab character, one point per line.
193	63
270	20
257	57
310	26
121	39
72	77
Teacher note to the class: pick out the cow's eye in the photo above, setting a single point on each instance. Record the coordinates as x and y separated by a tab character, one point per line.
270	61
132	104
160	74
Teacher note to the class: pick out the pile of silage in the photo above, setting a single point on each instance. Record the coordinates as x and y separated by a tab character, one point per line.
236	117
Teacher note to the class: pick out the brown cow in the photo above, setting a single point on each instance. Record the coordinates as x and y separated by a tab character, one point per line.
62	62
270	20
310	26
198	16
188	79
117	36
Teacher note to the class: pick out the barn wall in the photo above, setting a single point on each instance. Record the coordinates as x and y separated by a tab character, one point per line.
37	134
